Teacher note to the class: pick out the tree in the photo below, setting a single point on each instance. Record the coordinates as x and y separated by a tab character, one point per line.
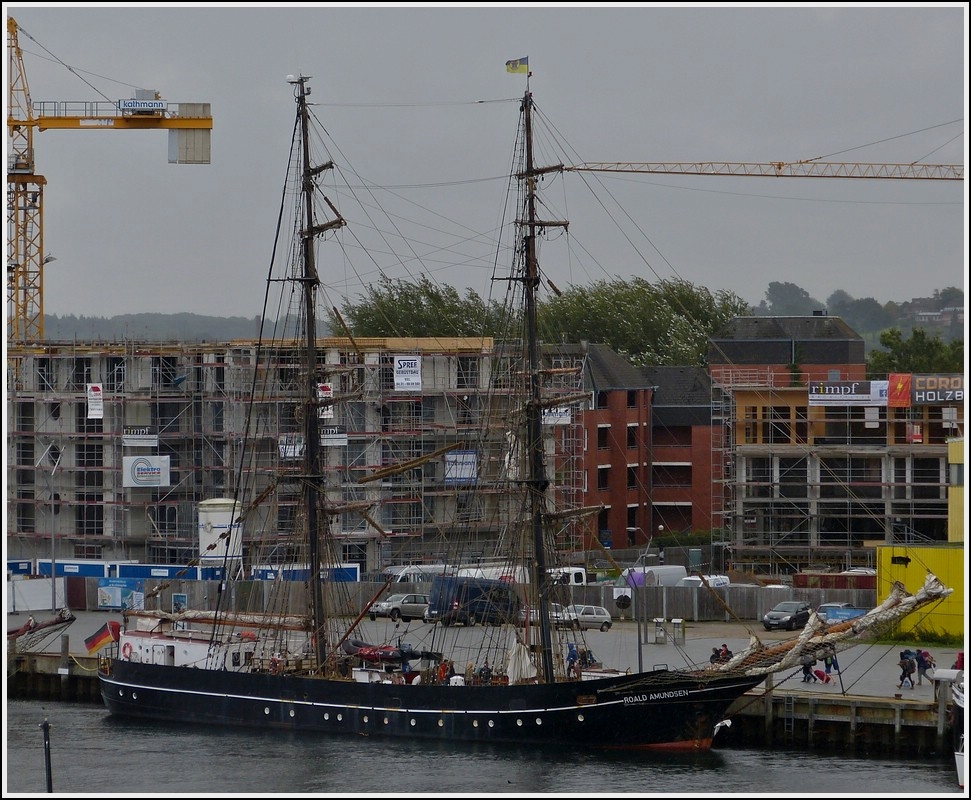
865	315
789	300
951	296
667	323
421	308
920	353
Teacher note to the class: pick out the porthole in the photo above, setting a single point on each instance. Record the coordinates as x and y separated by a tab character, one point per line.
519	723
266	710
441	723
385	720
413	723
365	718
539	721
340	717
326	716
475	723
134	695
579	717
491	723
292	713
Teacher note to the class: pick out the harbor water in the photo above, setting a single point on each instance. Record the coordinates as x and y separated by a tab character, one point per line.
94	753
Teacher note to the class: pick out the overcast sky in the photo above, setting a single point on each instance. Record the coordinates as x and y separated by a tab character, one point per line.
399	89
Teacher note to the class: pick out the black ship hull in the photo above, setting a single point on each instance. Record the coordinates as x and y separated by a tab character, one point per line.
654	710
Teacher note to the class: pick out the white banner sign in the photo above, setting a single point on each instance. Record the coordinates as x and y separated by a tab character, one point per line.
139	437
325	397
145	471
96	401
333	436
407	373
849	393
461	466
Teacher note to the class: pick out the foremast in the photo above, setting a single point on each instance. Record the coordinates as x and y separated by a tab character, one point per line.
537	481
313	496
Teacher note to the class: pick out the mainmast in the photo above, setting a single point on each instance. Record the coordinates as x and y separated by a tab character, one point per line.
313	492
537	481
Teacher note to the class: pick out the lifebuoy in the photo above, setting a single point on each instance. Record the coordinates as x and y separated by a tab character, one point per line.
126	650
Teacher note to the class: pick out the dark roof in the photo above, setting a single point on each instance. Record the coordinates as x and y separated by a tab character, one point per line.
801	328
606	370
679	386
786	340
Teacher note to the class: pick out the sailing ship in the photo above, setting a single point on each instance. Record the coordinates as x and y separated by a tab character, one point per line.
306	666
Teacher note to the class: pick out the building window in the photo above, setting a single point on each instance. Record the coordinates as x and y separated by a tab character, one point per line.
46	374
468	372
218	417
90	515
93	552
631	437
632	477
793	477
165	369
26	520
114	377
25	453
25	417
603	438
468	506
91	427
81	373
603	478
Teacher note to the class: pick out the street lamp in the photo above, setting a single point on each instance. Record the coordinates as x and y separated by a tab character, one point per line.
56	461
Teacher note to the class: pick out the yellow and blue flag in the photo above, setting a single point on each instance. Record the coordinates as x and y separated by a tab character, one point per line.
520	65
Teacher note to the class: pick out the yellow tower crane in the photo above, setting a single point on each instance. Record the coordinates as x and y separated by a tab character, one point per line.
810	168
189	125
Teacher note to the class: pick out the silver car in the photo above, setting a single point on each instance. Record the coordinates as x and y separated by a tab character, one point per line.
556	616
400	606
582	617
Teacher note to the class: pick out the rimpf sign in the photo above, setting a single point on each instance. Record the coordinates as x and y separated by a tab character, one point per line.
848	393
145	471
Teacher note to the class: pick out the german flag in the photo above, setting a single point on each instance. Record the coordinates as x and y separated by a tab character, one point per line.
109	632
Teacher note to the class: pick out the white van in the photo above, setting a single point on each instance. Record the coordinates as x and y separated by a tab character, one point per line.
568	576
651	576
696	580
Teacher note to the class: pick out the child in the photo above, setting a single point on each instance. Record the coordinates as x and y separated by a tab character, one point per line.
907	668
822	676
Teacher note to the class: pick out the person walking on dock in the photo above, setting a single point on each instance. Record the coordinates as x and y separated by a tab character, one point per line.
908	666
808	676
924	662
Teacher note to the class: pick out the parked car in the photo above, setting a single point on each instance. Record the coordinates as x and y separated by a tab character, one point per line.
825	608
839	612
789	614
556	615
401	606
581	617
